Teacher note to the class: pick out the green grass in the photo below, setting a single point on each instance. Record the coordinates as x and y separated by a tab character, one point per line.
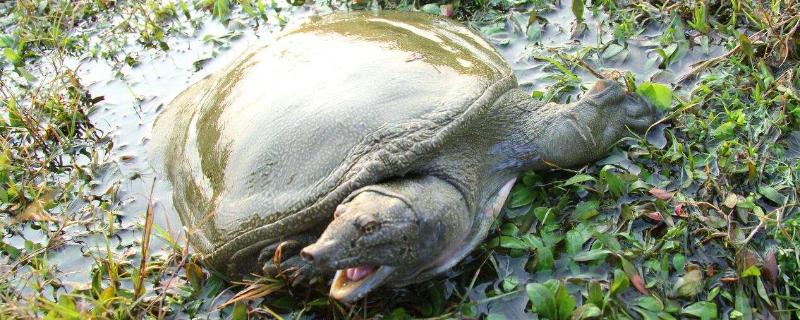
705	227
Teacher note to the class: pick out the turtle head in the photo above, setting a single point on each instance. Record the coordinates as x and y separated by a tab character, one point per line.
627	109
374	239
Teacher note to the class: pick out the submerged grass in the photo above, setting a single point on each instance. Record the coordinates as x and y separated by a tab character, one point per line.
702	224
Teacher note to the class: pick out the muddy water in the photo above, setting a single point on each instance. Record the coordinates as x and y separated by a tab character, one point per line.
133	101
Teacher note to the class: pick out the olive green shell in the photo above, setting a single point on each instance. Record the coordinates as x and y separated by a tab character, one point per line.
267	147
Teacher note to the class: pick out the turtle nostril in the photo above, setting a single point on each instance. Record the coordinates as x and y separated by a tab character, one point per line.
307	254
339	210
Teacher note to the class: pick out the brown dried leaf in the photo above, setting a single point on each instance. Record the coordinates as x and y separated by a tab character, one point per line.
447	10
770	268
34	212
728	279
253	291
661	194
638	283
745	259
653	215
680	212
635	278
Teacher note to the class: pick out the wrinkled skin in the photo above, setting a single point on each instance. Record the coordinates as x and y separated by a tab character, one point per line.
384	224
409	230
412	139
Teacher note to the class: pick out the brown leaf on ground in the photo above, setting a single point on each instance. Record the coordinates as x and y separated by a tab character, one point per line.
680	212
653	215
745	259
34	212
661	194
253	291
770	268
638	283
447	10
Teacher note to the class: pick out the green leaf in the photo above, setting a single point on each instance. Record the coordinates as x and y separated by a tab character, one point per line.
239	312
64	309
509	229
772	194
586	210
7	41
565	302
492	28
647	314
658	94
544	214
12	251
542	300
560	66
520	196
222	9
512	243
576	237
509	284
725	131
544	258
432	8
752	271
534	32
762	291
650	303
586	311
702	309
577	9
615	184
746	45
612	50
678	261
620	283
12	56
591	255
594	293
742	303
578	178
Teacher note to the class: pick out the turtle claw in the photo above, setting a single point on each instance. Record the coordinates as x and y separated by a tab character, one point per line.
293	269
281	259
303	274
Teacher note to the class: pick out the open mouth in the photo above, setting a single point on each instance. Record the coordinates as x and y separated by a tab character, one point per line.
352	284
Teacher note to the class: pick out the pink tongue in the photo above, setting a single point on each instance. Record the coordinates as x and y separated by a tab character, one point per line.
358	273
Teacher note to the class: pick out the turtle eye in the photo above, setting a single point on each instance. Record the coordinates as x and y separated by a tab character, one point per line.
370	227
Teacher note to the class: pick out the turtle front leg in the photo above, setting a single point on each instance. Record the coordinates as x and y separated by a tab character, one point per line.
281	258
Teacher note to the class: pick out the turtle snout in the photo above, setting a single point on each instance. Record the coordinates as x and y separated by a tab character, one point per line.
319	254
